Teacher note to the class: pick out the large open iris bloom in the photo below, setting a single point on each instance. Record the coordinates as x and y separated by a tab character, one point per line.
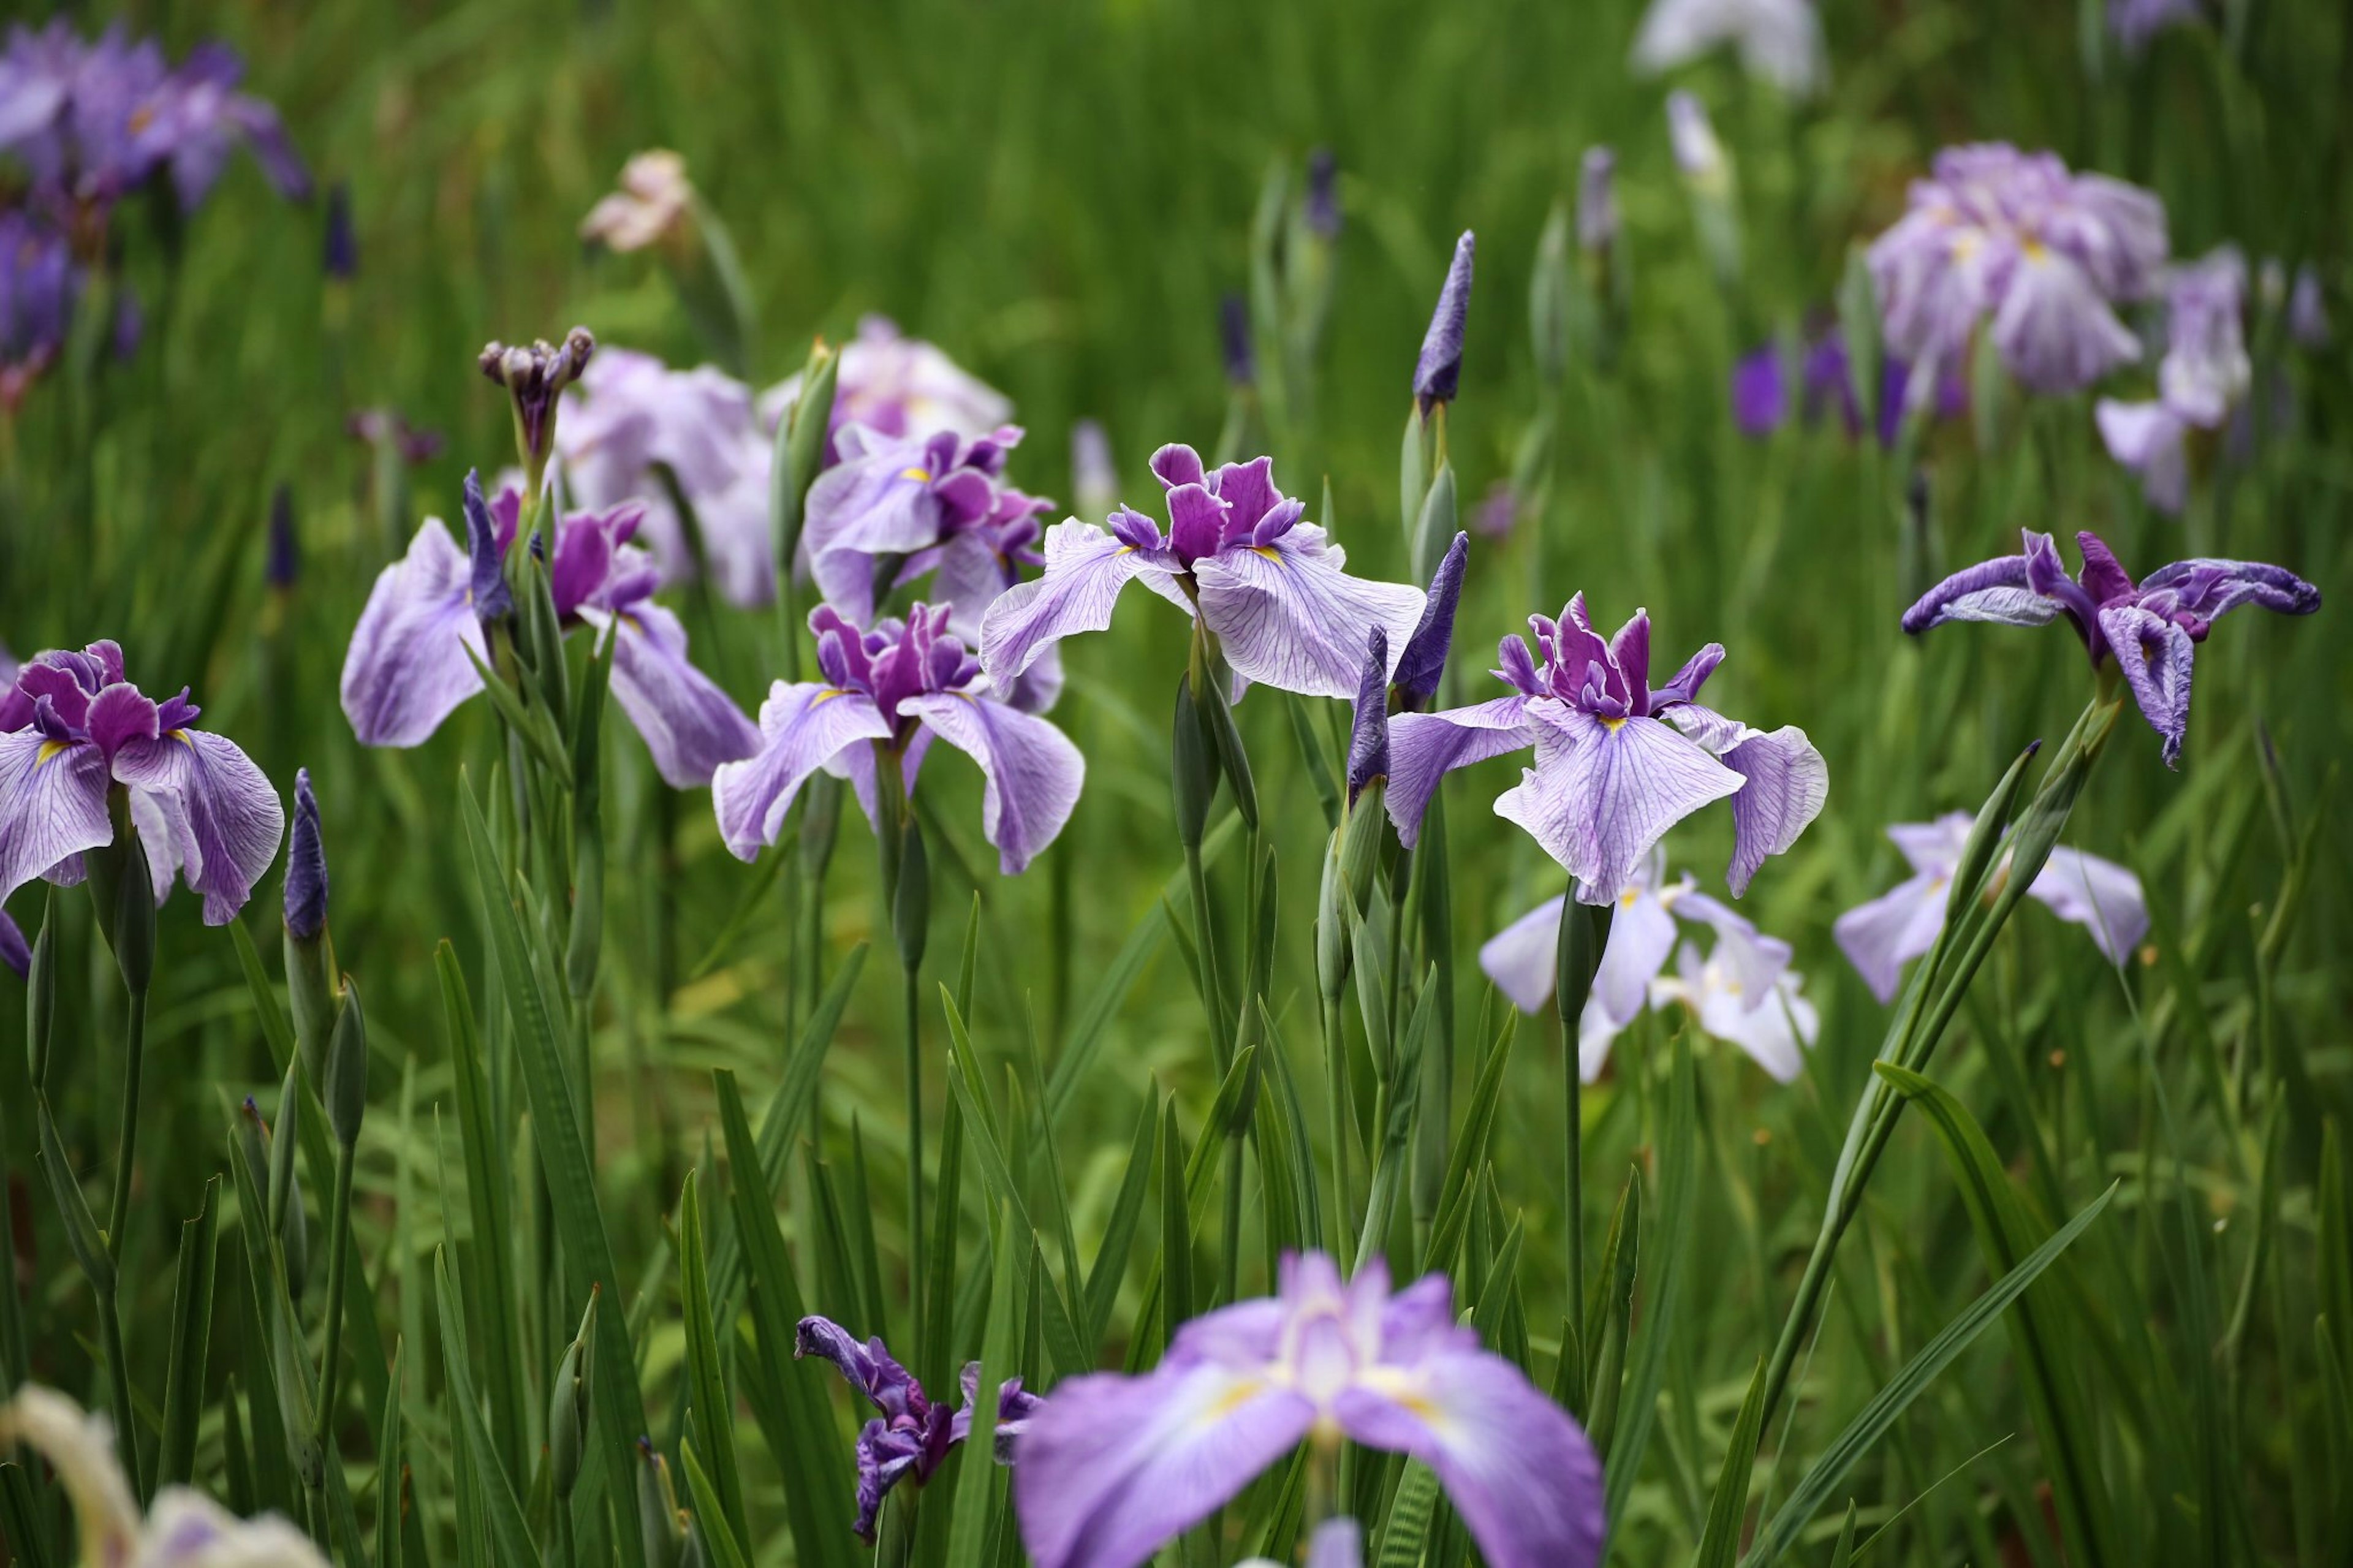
1880	936
1780	40
2015	237
1618	762
1237	553
911	1436
2153	629
1114	1467
2205	372
900	686
71	729
899	386
408	669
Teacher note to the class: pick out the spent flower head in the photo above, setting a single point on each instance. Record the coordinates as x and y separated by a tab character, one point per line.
534	377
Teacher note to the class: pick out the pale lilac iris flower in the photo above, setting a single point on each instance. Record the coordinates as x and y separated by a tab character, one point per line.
2153	629
2135	22
1779	41
1883	935
899	386
901	685
910	1439
1337	1543
649	206
408	667
2016	240
182	1529
1742	992
1269	585
2204	374
1114	1467
938	504
1617	761
631	417
72	728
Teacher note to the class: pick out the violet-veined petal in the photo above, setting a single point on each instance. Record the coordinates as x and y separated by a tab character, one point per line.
1994	591
1524	958
1641	939
690	725
1880	936
1604	791
52	805
233	819
406	670
1785	783
1033	772
2155	655
1289	617
2210	589
801	727
1085	570
2098	895
1425	747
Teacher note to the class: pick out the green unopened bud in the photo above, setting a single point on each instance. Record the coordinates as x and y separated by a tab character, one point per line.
1362	833
660	1526
567	1407
800	449
134	919
294	1236
41	996
310	990
347	1069
1190	773
910	900
1225	740
1332	921
1584	933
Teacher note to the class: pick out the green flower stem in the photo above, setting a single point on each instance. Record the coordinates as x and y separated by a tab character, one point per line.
133	1057
339	1230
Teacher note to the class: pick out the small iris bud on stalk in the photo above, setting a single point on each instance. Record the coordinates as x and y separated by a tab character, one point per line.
1422	666
347	1068
486	590
662	1524
534	377
1319	208
41	996
567	1409
339	252
911	899
1240	356
309	950
1353	865
1426	479
1584	934
1436	373
1192	775
283	566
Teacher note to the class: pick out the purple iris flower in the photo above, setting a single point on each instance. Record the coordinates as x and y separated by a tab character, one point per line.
1439	368
378	426
2204	374
911	1436
2016	239
1617	761
282	566
1760	400
2135	22
38	281
1779	41
1114	1467
1880	936
2307	310
200	117
939	504
2153	629
1337	1543
408	670
899	386
14	953
1498	511
71	729
1237	553
1760	393
901	685
634	413
1094	478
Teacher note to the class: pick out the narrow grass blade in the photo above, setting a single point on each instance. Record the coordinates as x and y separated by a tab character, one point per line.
713	1408
1678	1201
980	1492
192	1330
1721	1540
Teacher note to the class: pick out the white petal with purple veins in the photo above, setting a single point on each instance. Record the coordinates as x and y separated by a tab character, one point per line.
1425	747
406	670
1786	785
1034	773
690	725
1603	791
52	805
1289	617
2099	895
226	822
1085	570
801	728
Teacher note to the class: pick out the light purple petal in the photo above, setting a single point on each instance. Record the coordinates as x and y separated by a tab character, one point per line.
226	820
2148	438
688	724
800	728
1516	1468
2211	589
2099	895
1883	935
1934	847
52	805
1993	591
1085	570
2155	655
1034	773
1523	958
1112	1468
406	670
1750	962
879	502
1603	791
1773	1031
1787	783
1289	617
2054	330
1425	747
1641	939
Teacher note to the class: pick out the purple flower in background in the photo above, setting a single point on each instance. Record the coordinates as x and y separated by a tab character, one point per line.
1617	761
378	426
651	206
1094	478
14	953
1780	41
1742	992
1320	209
1439	368
306	864
2307	311
1234	341
911	1439
2204	374
1760	400
1880	936
200	117
1497	511
938	504
1760	393
1237	553
2153	629
901	685
2014	238
408	667
2135	22
1692	137
72	728
38	282
340	250
1114	1467
633	417
1597	200
898	386
1338	1542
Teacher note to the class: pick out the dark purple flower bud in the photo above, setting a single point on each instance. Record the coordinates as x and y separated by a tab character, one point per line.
1368	743
306	864
1597	200
533	377
1234	333
489	593
1760	401
342	258
130	325
1497	510
1321	207
1423	663
285	549
1441	365
538	547
12	951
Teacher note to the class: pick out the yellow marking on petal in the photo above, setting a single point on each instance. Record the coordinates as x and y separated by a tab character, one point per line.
1125	549
829	694
1266	550
1626	900
920	475
1233	1399
181	736
2034	249
49	749
1613	726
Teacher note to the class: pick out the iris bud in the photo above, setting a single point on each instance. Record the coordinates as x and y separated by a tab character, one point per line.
347	1068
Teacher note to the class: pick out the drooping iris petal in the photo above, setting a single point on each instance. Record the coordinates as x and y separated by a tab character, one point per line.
1015	1407
2148	438
1604	791
1085	570
801	726
406	670
690	725
1033	772
52	805
1773	1030
2210	589
2054	330
1522	1477
1641	937
1994	591
1524	958
2155	655
1289	617
1114	1467
2098	895
877	503
885	1454
1786	783
1883	935
1751	962
1425	747
232	819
